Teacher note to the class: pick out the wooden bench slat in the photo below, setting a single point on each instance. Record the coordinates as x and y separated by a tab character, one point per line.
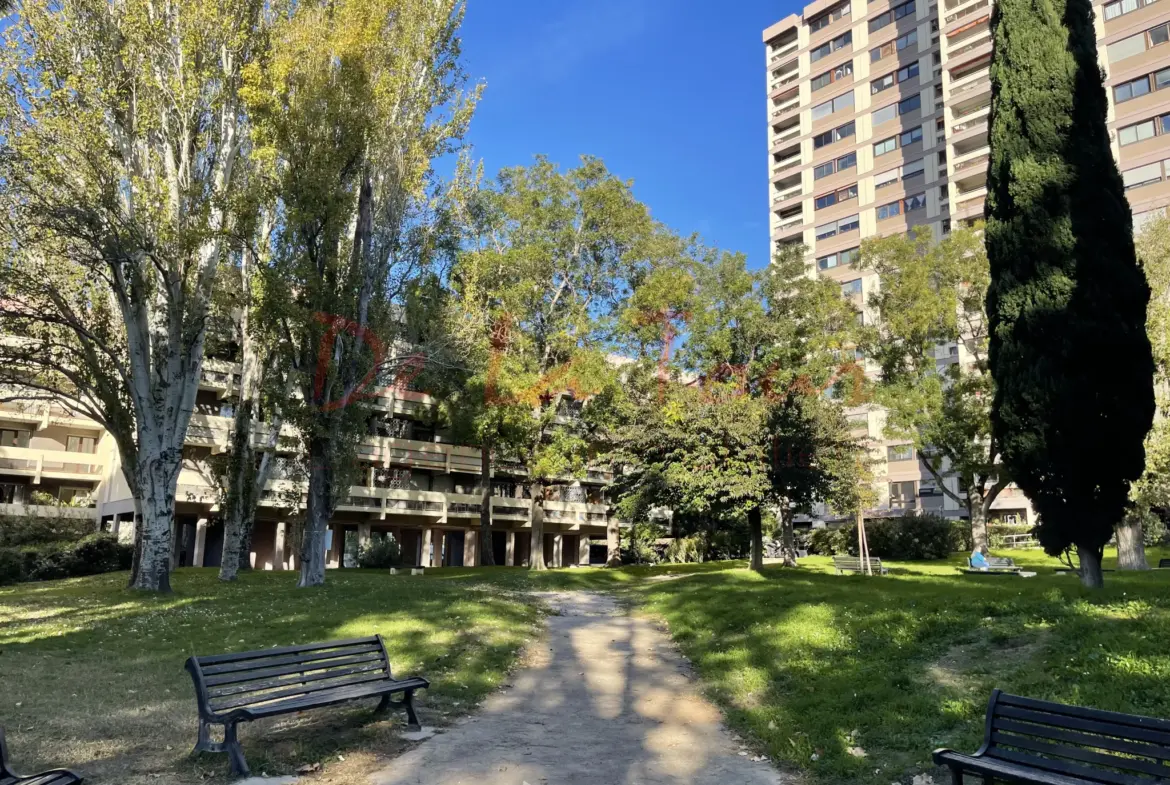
1003	770
241	656
48	778
285	670
1113	743
1059	713
1091	726
256	699
255	663
1069	768
1079	754
332	697
272	684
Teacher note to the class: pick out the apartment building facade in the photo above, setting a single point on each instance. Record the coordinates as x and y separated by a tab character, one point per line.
417	486
878	124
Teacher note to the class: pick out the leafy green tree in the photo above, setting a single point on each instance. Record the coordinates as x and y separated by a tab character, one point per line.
754	432
124	136
1150	495
352	107
551	260
934	294
1067	300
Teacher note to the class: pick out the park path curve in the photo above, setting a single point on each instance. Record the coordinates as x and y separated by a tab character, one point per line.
607	701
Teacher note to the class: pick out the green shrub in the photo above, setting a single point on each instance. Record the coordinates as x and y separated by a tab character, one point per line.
92	555
996	532
687	550
19	530
380	554
11	567
638	544
906	537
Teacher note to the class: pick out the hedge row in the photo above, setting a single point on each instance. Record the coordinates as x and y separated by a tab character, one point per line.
907	537
91	555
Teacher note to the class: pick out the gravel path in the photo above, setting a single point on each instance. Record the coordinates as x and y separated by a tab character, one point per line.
608	701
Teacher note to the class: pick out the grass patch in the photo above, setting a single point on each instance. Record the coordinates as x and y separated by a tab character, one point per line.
821	668
92	674
816	667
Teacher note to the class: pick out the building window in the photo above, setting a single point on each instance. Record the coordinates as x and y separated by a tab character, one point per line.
83	444
909	72
837	197
846	162
903	495
850	288
900	452
822	170
913	169
839	259
907	105
885	146
910	39
828	77
915	202
1136	133
13	438
895	13
885	179
1131	90
843	101
889	210
884	115
826	19
827	48
883	83
1123	7
836	135
911	136
847	224
1142	175
1126	48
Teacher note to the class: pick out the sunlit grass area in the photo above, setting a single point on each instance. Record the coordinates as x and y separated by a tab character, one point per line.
843	678
858	679
91	675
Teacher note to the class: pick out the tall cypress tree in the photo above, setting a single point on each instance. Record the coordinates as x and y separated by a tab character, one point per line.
1067	302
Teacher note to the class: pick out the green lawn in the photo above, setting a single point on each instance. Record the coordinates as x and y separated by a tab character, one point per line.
91	674
814	665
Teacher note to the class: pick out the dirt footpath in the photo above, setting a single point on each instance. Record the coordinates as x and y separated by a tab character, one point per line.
607	701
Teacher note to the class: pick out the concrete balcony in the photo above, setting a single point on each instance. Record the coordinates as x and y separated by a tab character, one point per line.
48	511
783	52
58	464
962	13
788	194
784	79
786	105
786	164
786	135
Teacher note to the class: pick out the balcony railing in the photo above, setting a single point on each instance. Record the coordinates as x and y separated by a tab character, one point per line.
979	159
787	106
967	11
786	164
791	193
980	80
784	51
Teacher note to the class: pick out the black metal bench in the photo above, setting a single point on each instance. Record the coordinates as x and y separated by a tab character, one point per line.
854	564
1163	563
1028	740
996	565
252	685
54	777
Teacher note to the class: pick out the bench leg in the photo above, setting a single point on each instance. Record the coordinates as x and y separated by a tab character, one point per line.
232	744
408	704
956	776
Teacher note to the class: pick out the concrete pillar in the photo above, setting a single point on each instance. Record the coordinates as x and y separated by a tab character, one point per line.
510	551
278	544
583	550
557	548
200	542
471	548
176	541
427	543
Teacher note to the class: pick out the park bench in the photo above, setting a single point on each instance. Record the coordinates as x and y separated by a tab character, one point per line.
1027	740
252	685
854	564
1163	563
54	777
996	565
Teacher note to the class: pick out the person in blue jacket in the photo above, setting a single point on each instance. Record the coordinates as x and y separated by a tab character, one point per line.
979	559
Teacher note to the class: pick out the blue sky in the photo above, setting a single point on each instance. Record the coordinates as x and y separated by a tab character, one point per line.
670	93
